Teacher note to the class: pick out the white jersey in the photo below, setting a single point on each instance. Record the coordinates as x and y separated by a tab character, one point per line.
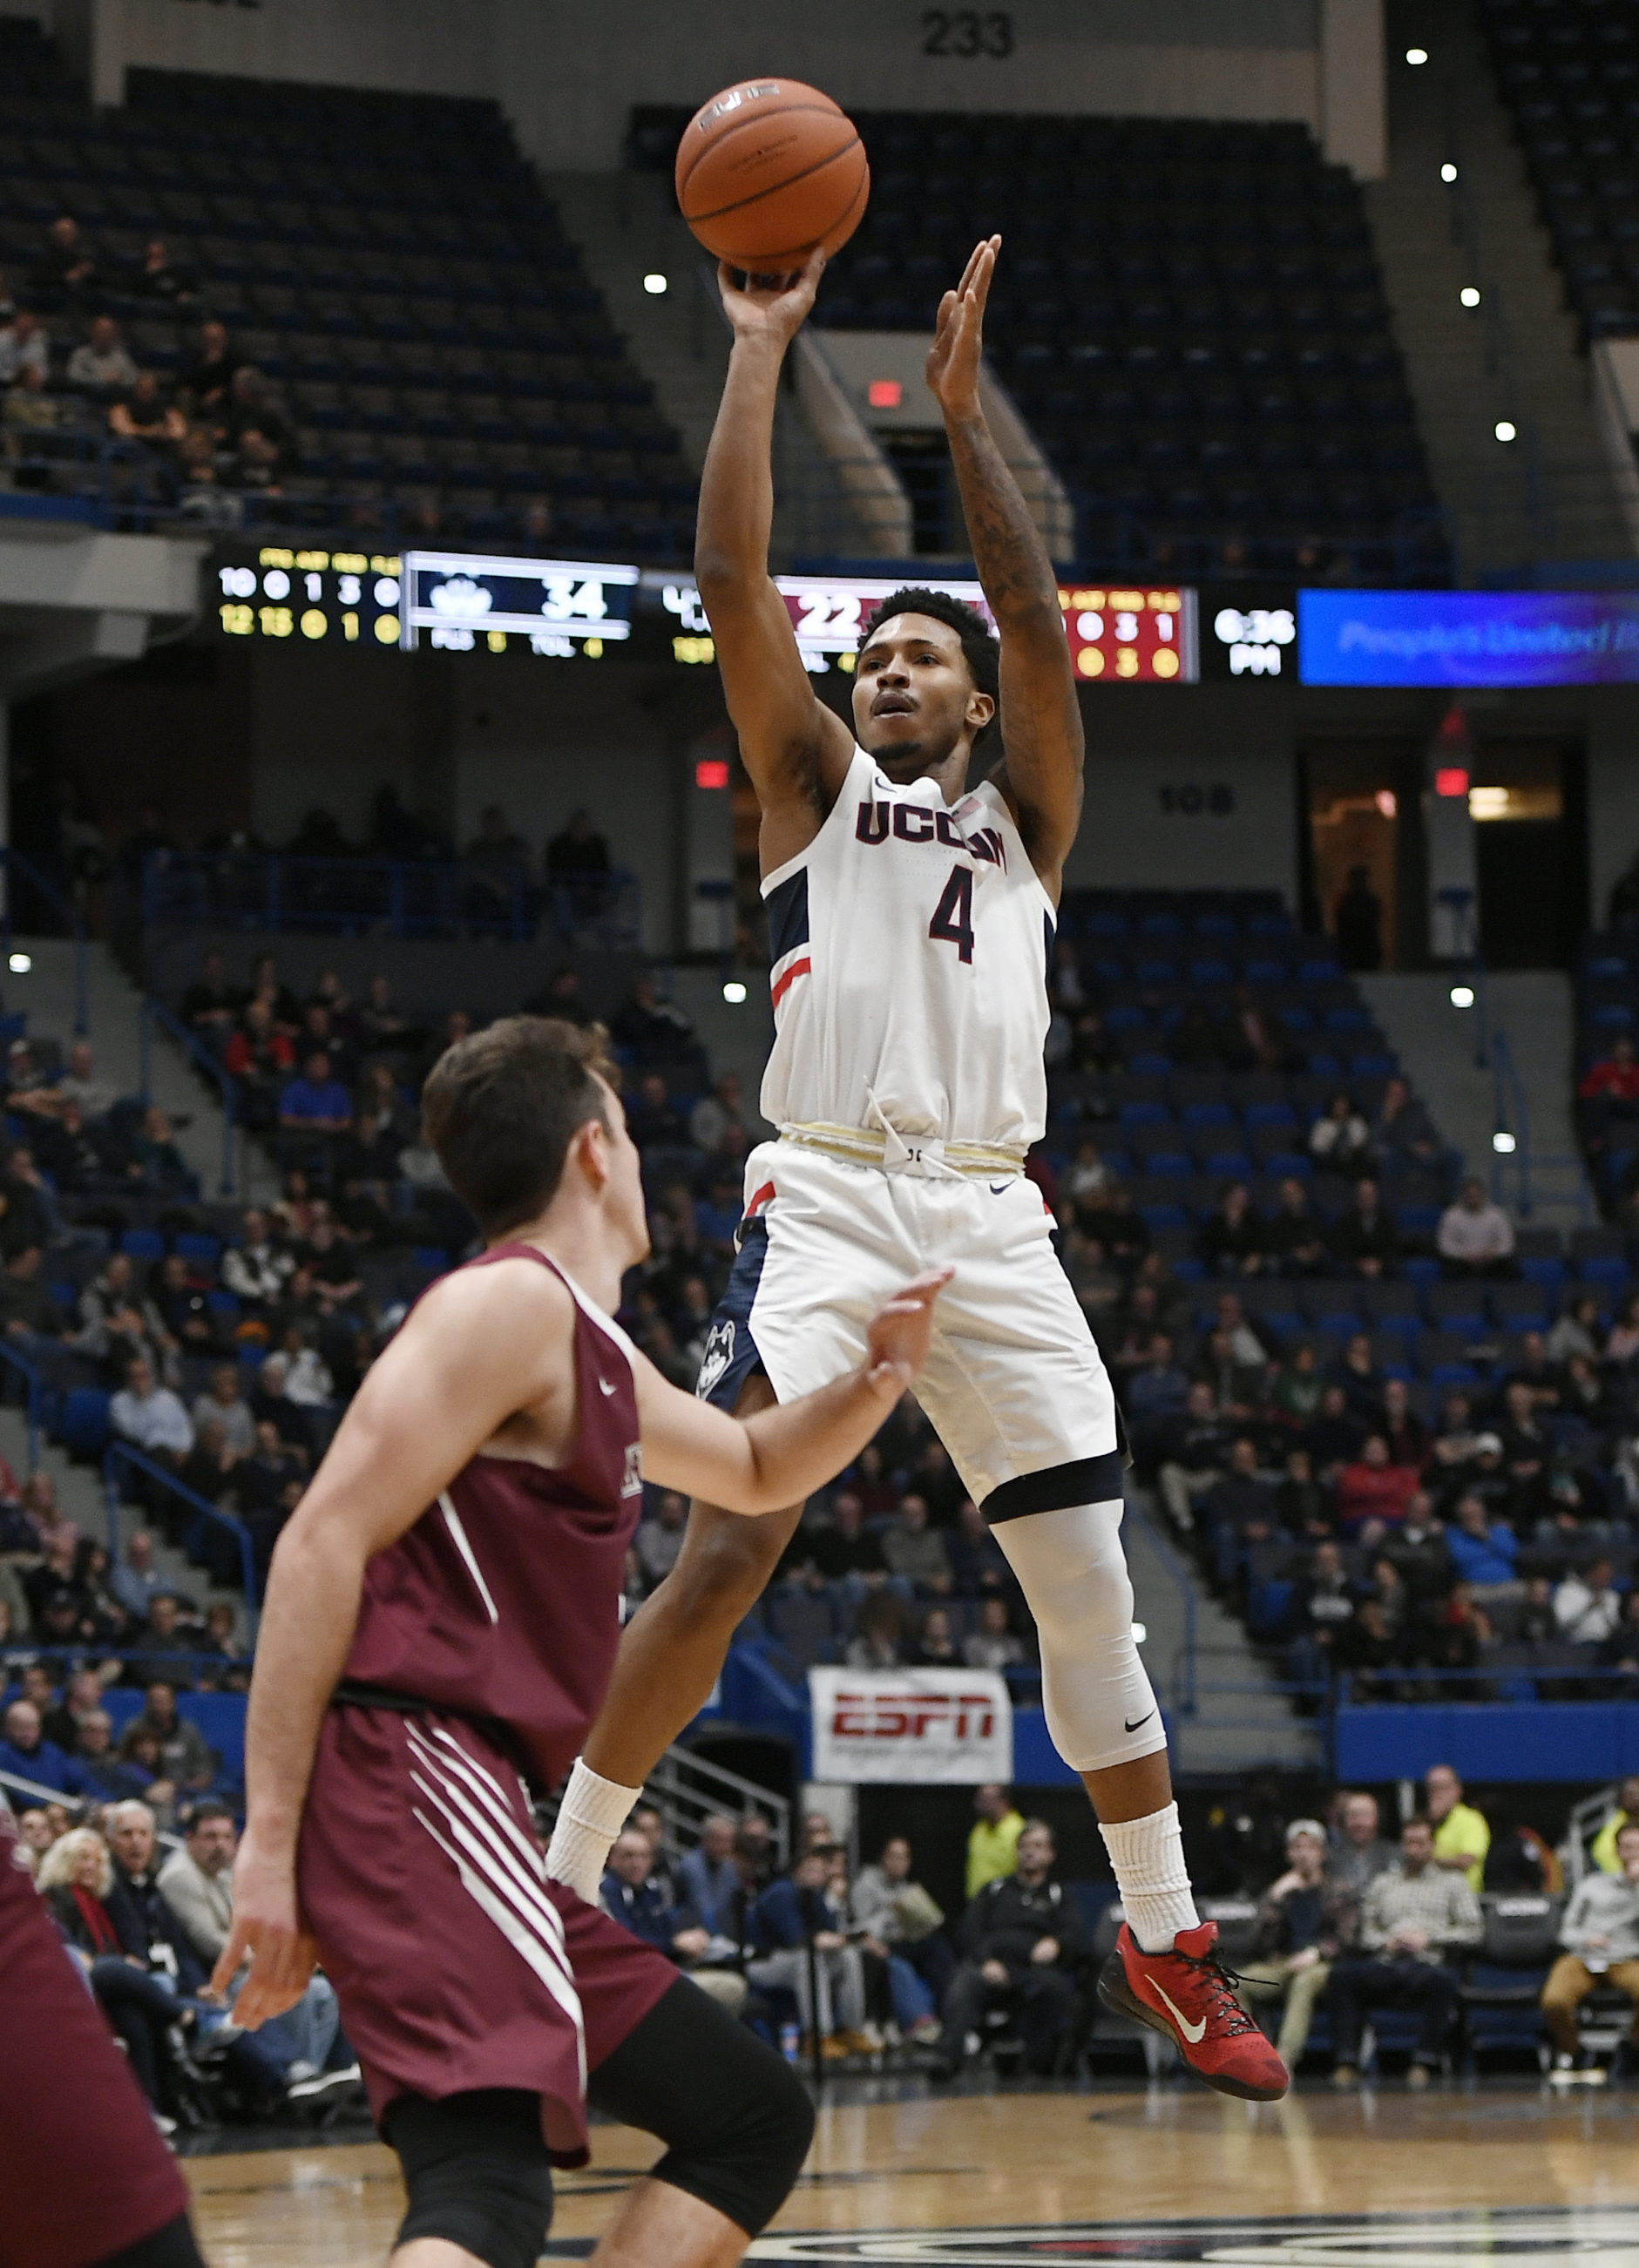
910	946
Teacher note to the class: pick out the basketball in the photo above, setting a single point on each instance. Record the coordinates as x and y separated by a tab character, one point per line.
769	169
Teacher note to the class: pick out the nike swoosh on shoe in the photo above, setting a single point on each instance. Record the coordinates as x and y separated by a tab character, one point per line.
1193	2032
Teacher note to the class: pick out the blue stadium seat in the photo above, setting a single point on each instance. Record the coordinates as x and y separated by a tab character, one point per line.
142	1244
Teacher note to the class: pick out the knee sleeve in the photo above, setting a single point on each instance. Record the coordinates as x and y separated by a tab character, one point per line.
1100	1706
478	2173
736	2118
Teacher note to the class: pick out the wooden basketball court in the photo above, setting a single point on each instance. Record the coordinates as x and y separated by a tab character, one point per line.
900	2175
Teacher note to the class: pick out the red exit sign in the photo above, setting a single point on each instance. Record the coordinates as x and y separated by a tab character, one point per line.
1131	633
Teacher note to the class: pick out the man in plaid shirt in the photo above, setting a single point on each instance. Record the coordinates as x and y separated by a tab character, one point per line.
1411	1920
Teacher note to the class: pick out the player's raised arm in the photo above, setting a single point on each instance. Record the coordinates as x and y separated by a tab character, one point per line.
1041	722
782	1455
794	748
478	1348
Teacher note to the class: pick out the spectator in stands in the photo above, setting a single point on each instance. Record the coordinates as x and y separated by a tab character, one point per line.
655	1029
1119	1225
159	279
653	1122
162	1644
1462	1835
1587	1607
26	1754
1237	1512
208	377
1294	1235
1403	1136
1482	1550
879	1633
149	1417
28	1313
716	1112
1576	1330
137	1582
141	413
1401	1428
1373	1488
316	1103
1609	1092
659	1537
1305	1919
577	851
256	1270
113	1780
1298	1389
24	346
1322	1609
1195	1450
994	1839
1231	1240
1625	1813
993	1644
1365	1237
1475	1238
183	1752
1339	1140
100	365
1357	923
914	1551
902	1923
1303	1507
844	1552
1357	1853
225	1406
77	1879
791	1915
934	1647
979	1565
642	1905
1411	1922
1021	1937
1600	1935
1333	1436
708	1877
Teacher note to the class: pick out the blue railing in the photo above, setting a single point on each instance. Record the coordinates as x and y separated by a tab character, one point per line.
155	1012
13	865
120	1456
404	898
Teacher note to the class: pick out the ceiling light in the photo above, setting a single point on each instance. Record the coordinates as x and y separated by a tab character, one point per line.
1506	430
1469	295
1415	55
655	283
733	993
20	963
1503	1143
1462	996
1447	172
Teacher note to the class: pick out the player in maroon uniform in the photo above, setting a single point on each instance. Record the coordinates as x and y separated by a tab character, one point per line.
441	1617
85	2180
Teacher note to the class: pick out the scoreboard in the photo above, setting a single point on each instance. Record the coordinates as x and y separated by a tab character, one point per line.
275	591
560	608
1126	635
583	609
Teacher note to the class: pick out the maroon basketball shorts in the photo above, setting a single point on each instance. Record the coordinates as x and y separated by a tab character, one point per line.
82	2174
457	1964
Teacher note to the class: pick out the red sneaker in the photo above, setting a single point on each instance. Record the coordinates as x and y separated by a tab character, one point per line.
1186	1995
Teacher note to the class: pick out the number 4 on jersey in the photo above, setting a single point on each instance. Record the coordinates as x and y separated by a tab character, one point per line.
953	915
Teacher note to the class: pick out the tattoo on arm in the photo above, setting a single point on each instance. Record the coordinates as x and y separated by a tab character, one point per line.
1012	560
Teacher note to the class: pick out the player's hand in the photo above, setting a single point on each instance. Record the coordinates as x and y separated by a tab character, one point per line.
774	307
267	1930
954	358
897	1341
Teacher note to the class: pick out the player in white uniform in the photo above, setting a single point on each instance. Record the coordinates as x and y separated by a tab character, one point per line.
910	923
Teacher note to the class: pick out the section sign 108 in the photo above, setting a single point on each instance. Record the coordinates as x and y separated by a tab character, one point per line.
563	608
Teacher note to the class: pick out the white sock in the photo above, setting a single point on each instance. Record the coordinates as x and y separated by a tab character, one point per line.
1148	1855
591	1814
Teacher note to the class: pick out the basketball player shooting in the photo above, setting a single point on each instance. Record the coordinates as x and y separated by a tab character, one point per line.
911	915
441	1616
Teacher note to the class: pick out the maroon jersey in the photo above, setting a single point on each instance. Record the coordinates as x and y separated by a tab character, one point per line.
502	1603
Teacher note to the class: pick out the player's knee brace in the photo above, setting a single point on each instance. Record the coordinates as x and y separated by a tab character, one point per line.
748	2169
476	2171
1100	1707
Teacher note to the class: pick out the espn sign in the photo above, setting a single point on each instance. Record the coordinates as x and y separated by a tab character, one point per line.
910	1725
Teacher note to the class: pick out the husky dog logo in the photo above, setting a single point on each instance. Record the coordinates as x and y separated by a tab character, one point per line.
720	1353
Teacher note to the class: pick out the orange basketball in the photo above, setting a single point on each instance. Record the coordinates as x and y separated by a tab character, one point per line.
769	169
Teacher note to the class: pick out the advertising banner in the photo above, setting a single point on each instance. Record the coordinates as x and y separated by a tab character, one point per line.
1468	637
910	1725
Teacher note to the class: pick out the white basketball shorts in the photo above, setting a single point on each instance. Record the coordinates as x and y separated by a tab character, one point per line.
1014	1384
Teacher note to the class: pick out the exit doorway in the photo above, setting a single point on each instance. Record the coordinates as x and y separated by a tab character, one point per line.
1528	801
1360	849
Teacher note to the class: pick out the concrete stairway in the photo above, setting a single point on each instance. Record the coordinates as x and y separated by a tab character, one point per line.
1548	494
627	227
45	992
79	1492
1230	1730
1436	1043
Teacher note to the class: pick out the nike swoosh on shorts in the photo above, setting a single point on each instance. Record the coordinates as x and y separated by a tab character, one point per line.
1137	1722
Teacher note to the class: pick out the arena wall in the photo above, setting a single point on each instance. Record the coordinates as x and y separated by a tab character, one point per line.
569	76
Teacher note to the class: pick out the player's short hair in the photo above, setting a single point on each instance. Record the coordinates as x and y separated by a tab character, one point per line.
978	641
502	1107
